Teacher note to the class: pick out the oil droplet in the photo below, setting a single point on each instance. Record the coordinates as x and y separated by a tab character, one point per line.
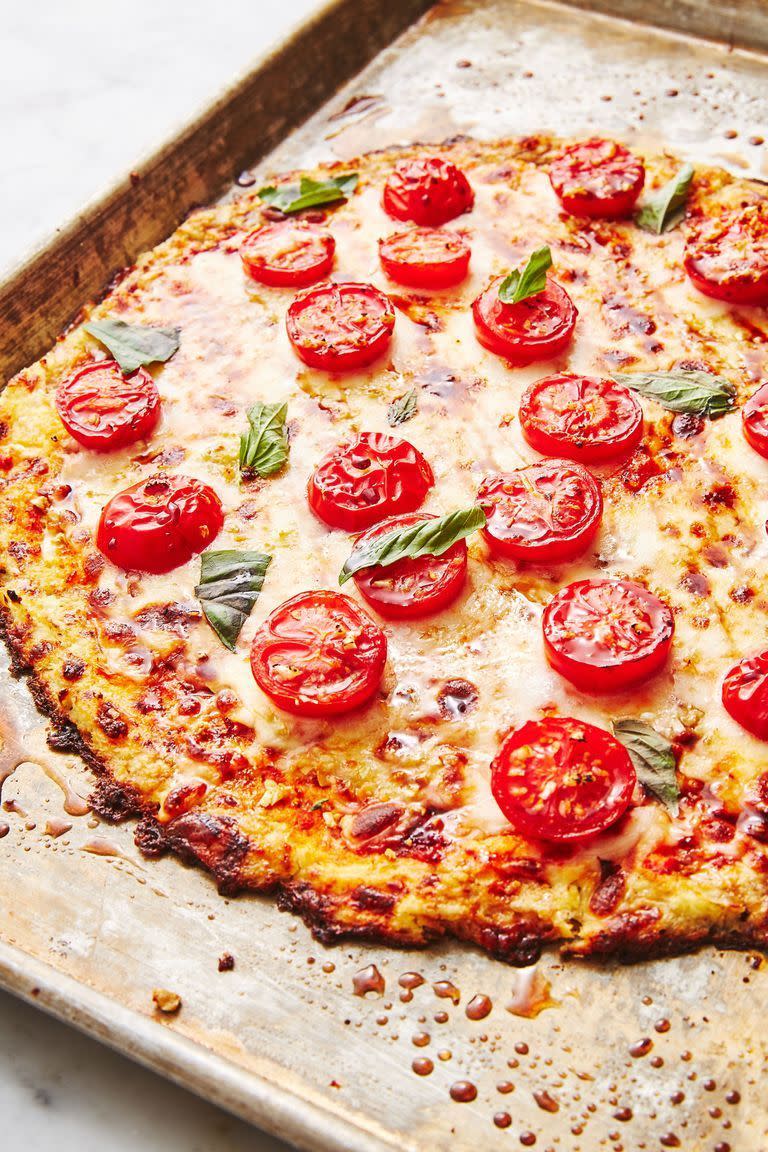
531	994
732	1097
641	1047
656	1062
723	1146
98	846
677	1097
74	804
528	1139
669	1140
410	980
444	1054
463	1092
446	991
502	1119
709	1085
421	1039
406	996
623	1114
479	1007
368	980
662	1025
546	1102
422	1066
505	1087
4	828
382	1020
440	1017
56	827
521	1048
329	966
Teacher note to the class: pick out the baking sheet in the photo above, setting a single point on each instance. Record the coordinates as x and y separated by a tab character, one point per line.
666	1054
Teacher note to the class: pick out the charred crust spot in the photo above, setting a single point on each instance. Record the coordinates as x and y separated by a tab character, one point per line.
115	802
609	891
213	841
226	962
176	618
111	721
372	820
720	496
519	944
457	698
373	899
73	668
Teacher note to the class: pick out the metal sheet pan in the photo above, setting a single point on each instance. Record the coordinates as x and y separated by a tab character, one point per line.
628	1058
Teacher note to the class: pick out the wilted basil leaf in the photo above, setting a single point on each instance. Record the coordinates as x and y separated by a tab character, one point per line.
133	345
653	759
264	447
230	582
425	538
519	286
309	193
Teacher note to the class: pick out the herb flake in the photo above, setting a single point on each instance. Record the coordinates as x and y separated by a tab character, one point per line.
519	285
403	408
309	193
425	538
132	345
230	583
700	393
653	759
666	208
264	447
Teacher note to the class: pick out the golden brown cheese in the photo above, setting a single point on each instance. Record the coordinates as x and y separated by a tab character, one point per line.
382	823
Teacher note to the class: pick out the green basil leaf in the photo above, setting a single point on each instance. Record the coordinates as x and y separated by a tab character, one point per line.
519	286
309	193
666	208
701	393
132	345
230	582
403	408
264	447
653	759
425	538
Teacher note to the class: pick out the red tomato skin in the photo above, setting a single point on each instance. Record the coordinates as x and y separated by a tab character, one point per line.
594	746
313	342
372	476
715	261
556	546
399	255
745	694
429	191
754	416
493	321
129	406
590	666
340	610
311	266
159	523
604	178
590	447
447	574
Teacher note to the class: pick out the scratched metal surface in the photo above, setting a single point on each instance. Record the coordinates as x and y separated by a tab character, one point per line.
88	929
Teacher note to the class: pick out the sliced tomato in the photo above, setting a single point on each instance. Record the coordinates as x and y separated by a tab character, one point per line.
370	477
726	256
535	329
607	635
412	587
754	416
103	409
288	254
597	178
548	512
429	191
745	694
159	523
318	654
585	418
340	327
425	257
560	779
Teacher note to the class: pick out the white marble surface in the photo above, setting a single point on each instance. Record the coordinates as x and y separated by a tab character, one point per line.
87	88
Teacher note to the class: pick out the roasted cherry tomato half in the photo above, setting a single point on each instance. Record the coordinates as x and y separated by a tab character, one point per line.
103	409
160	523
340	327
412	587
754	416
607	635
535	329
288	254
370	477
548	512
429	191
318	654
560	779
745	694
597	178
584	418
425	257
726	256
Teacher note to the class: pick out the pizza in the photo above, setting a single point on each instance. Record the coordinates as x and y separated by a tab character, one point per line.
392	538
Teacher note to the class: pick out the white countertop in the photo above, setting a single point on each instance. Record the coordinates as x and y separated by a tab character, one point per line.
88	88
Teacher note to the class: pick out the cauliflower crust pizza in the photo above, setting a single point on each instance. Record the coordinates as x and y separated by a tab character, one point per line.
393	538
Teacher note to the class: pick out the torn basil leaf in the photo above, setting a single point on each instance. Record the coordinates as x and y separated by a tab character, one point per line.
425	538
403	408
519	285
264	447
230	583
132	345
666	208
700	393
309	193
653	759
